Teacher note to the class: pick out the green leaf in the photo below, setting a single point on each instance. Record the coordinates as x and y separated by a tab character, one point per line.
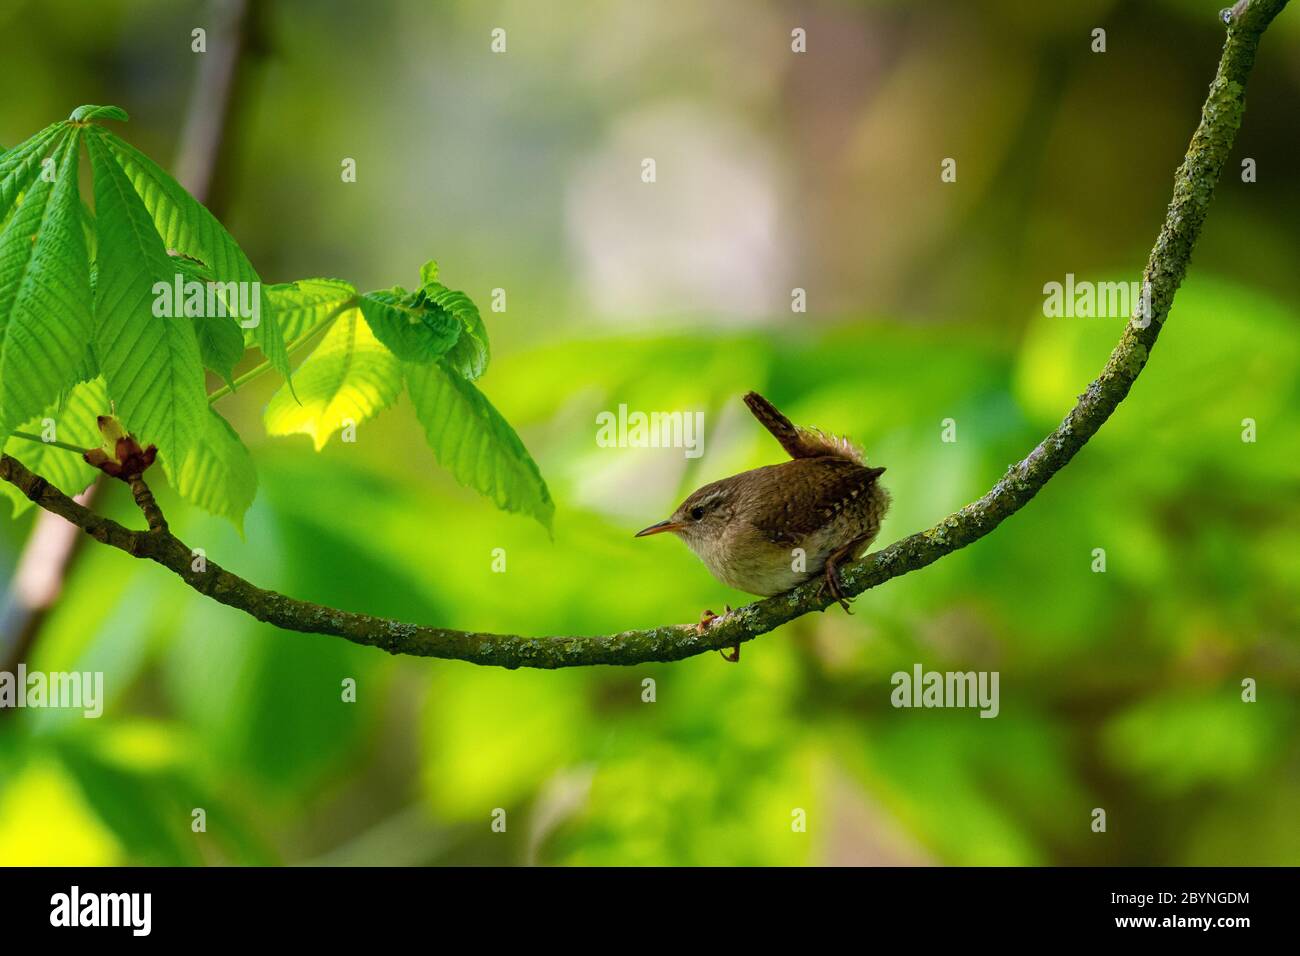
20	165
73	421
470	354
221	345
45	304
88	233
221	340
187	227
152	364
471	439
412	328
303	306
218	473
86	113
350	375
189	268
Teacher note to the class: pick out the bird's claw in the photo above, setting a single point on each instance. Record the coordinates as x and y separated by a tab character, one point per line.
707	619
831	583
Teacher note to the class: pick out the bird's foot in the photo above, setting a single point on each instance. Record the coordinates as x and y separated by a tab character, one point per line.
707	619
831	584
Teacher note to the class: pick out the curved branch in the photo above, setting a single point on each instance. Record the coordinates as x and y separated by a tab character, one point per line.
1193	188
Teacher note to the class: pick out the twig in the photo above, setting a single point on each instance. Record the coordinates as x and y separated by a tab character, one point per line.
148	506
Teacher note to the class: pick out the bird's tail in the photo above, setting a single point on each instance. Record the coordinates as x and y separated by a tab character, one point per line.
801	442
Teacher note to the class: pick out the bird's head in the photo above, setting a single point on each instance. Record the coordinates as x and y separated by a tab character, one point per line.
702	517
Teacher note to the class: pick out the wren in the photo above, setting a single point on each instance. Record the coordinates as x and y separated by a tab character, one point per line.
766	530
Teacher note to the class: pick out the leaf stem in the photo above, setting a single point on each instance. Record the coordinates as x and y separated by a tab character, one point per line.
289	349
27	436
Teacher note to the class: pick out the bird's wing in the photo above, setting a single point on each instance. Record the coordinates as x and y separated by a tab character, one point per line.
806	505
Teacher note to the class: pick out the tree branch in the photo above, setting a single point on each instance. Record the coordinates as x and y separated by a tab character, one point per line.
1194	185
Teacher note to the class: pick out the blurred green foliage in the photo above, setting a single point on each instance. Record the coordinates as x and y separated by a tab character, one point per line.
1119	690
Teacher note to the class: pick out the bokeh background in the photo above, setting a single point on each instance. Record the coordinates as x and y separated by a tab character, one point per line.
521	171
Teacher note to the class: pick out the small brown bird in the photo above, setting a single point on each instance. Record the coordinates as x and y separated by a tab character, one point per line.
766	530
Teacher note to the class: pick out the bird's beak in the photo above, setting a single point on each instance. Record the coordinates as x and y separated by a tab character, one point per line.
659	528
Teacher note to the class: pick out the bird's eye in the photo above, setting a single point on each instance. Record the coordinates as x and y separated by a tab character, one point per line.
697	513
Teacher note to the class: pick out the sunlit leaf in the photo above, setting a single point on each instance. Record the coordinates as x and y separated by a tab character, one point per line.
349	377
302	306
